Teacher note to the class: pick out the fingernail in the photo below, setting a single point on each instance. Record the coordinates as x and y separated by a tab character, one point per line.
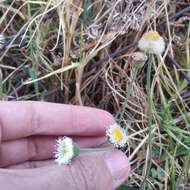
118	166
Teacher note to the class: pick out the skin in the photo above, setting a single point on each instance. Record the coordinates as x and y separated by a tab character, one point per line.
28	133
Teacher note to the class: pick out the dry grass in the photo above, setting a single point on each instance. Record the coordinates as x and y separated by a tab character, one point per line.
54	51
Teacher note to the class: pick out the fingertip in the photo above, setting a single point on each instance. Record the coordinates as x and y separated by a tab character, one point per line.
92	120
118	166
107	118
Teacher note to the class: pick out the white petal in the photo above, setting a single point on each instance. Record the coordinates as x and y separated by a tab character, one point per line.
67	144
151	46
112	139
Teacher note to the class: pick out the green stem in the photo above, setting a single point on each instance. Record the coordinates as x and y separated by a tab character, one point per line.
85	150
159	59
149	116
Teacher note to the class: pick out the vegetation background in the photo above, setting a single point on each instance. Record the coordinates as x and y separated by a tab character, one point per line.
79	52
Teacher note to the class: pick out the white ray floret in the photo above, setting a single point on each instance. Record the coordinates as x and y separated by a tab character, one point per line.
66	150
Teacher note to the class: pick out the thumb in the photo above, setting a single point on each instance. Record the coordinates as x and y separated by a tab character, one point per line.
96	171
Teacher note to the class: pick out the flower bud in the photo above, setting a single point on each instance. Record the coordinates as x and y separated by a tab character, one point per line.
152	42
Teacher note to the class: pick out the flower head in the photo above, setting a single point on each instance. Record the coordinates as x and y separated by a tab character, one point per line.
152	42
139	58
117	135
66	150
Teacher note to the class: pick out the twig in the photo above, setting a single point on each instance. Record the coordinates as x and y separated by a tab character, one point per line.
186	95
174	62
178	14
16	90
115	54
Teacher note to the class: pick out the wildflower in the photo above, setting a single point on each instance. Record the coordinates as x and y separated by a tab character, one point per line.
139	58
152	42
66	150
117	135
2	41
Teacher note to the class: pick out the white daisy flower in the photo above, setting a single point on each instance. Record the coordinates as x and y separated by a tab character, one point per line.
152	42
66	150
117	135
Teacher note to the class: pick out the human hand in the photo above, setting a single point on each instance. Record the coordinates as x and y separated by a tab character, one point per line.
28	133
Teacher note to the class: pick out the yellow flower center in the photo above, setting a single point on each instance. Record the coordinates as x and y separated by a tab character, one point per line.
64	150
152	35
117	134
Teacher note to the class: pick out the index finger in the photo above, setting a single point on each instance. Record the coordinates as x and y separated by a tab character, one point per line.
22	119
